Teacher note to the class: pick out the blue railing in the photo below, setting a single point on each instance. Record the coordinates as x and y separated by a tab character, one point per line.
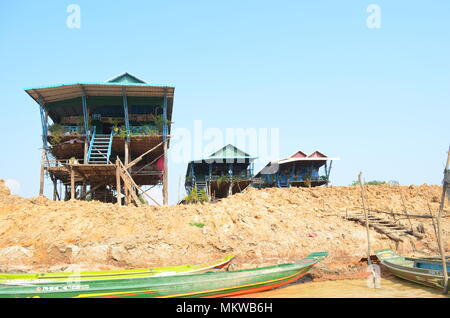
91	145
110	145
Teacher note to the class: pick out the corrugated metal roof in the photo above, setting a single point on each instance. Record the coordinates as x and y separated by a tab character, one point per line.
60	92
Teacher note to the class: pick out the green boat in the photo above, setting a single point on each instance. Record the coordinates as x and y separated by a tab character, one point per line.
6	278
425	271
209	284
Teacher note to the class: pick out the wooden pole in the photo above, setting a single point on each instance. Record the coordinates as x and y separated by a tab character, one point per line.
438	223
434	224
363	198
127	157
119	192
72	183
165	177
54	189
41	183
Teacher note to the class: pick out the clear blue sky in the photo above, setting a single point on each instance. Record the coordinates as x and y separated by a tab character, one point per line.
377	98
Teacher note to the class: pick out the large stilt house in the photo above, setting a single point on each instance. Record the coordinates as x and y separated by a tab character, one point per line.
227	171
106	140
297	170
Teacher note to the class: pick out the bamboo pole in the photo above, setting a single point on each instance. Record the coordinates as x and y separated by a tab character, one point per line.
55	191
363	198
165	177
405	210
434	223
439	228
41	182
72	183
119	192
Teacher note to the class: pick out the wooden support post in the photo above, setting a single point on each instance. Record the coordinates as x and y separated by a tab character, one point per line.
165	177
366	216
127	159
72	183
438	223
434	224
119	192
41	183
55	191
230	175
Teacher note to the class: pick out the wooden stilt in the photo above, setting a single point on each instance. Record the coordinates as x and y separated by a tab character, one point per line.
72	183
366	215
127	159
54	189
438	223
41	183
119	192
86	150
165	177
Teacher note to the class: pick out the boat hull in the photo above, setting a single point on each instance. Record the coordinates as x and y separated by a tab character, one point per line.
6	278
211	284
407	268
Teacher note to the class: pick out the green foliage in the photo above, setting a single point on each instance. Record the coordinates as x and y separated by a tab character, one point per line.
200	225
148	130
159	122
220	180
307	179
56	131
141	198
122	132
375	182
115	127
196	196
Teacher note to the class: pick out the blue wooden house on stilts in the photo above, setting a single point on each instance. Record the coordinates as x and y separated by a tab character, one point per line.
105	140
298	170
225	172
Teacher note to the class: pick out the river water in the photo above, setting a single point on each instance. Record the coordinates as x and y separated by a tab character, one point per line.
390	287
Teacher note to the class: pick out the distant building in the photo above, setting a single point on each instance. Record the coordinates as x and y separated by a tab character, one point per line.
226	171
298	170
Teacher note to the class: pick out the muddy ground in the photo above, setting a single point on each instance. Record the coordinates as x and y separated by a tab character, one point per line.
260	227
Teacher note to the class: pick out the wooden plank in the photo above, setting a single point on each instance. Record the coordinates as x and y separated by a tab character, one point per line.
119	192
72	184
131	184
132	163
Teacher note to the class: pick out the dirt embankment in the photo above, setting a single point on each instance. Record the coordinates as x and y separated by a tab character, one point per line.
260	227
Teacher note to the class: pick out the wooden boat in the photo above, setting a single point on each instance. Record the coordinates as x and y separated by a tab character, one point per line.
210	284
425	271
114	274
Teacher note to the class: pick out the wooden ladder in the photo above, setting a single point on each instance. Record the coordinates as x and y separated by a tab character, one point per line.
390	229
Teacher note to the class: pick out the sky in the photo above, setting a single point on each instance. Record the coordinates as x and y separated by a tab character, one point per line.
318	71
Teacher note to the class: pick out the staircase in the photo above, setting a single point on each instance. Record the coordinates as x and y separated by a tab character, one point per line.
384	226
100	148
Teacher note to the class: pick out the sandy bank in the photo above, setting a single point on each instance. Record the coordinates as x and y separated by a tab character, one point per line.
260	227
